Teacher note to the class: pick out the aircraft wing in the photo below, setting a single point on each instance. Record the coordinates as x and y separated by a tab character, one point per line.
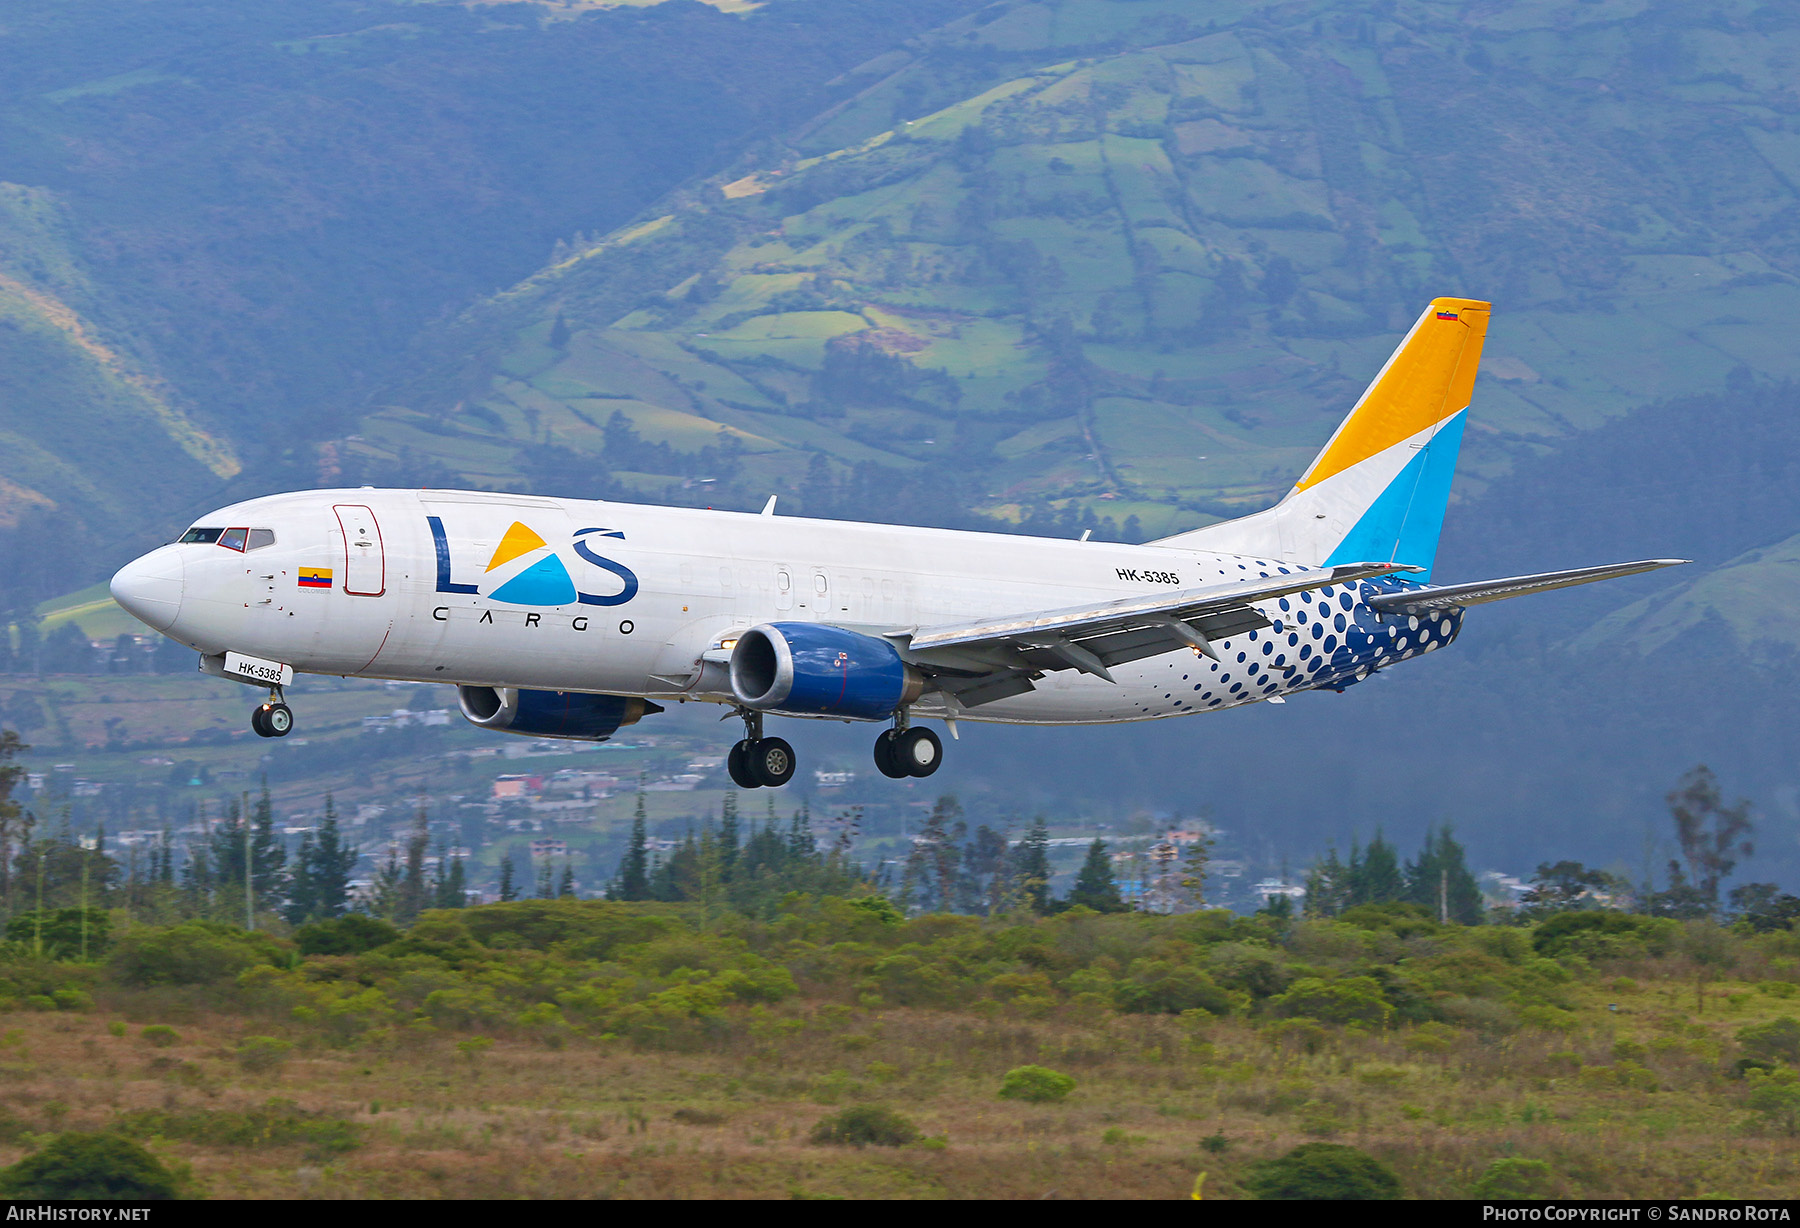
987	659
1445	596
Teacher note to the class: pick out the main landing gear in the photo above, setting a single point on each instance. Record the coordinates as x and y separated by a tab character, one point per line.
274	719
907	751
758	762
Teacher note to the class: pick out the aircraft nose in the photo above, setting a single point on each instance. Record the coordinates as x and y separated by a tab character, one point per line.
150	588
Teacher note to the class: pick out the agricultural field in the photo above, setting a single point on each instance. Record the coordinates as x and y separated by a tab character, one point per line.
593	1049
1122	271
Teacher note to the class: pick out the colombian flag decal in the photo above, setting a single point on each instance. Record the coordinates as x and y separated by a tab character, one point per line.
1446	315
315	577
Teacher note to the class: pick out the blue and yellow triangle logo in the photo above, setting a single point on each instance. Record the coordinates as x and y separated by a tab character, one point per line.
545	582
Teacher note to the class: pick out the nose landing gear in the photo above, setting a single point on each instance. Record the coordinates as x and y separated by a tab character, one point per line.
274	719
758	762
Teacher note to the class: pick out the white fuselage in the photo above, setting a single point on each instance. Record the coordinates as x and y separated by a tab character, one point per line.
404	600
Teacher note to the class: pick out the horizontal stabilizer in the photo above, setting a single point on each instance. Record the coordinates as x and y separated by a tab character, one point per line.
1445	596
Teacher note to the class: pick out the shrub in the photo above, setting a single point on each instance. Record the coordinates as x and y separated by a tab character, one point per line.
1161	987
1431	1037
261	1054
1600	934
880	908
1778	1038
1036	1084
347	935
160	1035
865	1125
1302	1034
1514	1178
1323	1172
1776	1095
192	953
278	1123
1355	999
1404	920
78	1165
61	931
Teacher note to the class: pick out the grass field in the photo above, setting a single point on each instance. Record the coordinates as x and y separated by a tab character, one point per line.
1623	1087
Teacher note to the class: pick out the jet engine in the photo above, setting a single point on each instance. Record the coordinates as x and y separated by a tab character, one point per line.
551	714
808	670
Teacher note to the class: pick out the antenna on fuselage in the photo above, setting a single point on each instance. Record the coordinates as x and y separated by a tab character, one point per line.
769	507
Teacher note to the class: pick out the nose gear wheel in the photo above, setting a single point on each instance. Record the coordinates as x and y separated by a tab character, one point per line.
272	720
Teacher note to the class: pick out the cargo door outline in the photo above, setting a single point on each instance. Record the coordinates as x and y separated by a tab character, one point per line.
365	558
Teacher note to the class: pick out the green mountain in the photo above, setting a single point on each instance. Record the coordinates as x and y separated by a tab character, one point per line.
221	224
82	423
1042	264
1065	261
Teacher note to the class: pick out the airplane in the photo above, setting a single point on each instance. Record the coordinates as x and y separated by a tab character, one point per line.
573	618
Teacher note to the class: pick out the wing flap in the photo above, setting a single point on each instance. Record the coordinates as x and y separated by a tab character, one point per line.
1479	592
1187	604
989	659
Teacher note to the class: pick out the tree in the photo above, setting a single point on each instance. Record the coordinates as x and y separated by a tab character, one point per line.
565	886
928	882
1327	887
984	872
509	890
387	890
1094	886
268	856
1196	862
89	1166
1763	907
1323	1171
728	836
333	863
1031	869
1680	899
633	882
1562	885
414	896
1440	880
1374	874
14	826
1713	836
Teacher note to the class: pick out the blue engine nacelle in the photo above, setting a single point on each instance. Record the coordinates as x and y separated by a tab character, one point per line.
551	714
808	670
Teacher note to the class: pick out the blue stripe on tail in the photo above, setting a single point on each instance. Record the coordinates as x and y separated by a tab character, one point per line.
1403	523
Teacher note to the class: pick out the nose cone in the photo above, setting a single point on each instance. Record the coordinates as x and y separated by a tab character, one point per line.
150	588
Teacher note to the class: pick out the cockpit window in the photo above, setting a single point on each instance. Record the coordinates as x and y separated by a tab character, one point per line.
260	538
233	539
202	535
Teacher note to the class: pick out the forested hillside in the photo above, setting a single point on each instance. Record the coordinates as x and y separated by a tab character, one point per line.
224	222
1039	264
1062	262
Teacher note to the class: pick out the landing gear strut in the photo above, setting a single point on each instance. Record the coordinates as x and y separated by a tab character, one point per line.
907	750
274	719
758	762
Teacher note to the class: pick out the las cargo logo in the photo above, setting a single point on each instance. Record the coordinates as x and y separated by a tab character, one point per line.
545	580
